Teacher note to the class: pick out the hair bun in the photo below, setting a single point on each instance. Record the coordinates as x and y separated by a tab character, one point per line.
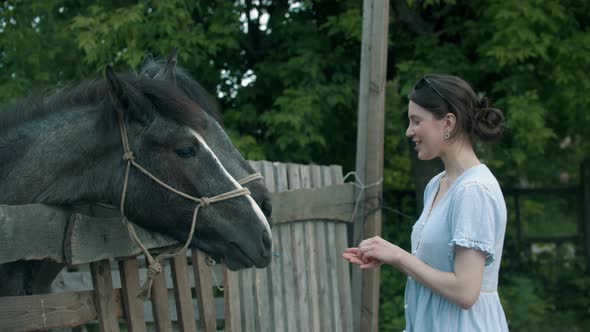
488	122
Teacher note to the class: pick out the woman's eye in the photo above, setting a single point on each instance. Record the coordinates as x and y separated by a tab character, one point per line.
186	152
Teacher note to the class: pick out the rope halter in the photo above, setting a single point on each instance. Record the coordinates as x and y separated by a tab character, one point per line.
155	266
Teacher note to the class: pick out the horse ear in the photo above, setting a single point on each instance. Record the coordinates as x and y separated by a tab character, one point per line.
115	88
171	65
126	99
149	58
173	57
168	71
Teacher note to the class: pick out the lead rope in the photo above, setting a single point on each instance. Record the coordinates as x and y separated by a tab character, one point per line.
362	187
155	267
250	178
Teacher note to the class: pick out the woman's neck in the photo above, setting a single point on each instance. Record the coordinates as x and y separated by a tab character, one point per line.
458	158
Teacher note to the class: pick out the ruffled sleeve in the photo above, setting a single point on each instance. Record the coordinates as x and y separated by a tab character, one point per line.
473	220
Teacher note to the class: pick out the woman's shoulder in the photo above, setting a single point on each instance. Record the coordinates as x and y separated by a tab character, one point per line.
479	179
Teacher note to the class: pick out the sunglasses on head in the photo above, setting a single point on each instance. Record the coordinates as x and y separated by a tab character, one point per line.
425	81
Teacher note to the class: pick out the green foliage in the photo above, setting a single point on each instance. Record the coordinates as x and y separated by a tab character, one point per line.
521	302
286	77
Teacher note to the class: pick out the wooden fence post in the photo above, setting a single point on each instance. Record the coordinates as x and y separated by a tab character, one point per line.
369	155
104	296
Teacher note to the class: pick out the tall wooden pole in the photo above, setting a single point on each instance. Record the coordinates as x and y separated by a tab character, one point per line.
369	156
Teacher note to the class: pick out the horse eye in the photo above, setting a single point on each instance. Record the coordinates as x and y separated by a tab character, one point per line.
186	152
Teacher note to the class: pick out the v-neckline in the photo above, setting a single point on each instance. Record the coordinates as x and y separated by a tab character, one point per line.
451	187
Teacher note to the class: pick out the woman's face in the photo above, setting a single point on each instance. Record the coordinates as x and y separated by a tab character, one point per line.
425	131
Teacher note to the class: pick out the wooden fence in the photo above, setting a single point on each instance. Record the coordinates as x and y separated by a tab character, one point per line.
305	288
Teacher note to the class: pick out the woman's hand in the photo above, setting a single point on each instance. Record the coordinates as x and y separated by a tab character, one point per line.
374	252
353	256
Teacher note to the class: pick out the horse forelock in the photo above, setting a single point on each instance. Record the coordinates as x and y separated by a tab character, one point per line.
185	82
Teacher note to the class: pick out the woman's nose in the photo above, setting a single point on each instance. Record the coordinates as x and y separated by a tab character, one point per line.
409	132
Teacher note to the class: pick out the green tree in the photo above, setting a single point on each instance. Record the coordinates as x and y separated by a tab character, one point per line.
285	74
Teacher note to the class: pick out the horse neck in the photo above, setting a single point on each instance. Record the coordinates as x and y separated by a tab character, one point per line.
56	159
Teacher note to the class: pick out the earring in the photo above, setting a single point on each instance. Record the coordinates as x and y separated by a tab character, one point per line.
446	136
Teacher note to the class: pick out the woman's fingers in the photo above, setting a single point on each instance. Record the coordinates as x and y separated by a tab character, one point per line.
365	252
352	250
370	265
352	258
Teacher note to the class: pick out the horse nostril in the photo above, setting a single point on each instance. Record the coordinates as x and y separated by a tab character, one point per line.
266	207
266	241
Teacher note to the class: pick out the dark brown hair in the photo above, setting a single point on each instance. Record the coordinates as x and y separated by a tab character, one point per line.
443	94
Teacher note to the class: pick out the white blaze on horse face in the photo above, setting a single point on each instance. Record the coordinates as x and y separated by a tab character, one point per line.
255	206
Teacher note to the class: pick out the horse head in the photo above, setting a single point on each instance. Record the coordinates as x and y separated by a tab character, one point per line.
216	137
75	147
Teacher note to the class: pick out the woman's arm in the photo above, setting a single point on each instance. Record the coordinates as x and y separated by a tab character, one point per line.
461	286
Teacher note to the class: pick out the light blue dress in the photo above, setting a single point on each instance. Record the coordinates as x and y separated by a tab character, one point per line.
472	214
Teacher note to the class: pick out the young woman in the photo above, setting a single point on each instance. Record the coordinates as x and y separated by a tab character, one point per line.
457	241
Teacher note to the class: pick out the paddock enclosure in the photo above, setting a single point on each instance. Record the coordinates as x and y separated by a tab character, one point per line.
307	286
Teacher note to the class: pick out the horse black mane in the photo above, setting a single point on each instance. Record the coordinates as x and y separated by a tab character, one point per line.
142	95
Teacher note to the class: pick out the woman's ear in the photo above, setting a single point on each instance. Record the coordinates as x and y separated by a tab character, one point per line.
450	121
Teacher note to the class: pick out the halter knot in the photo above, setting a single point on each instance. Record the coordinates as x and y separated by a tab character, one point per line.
128	155
205	201
125	221
154	270
210	261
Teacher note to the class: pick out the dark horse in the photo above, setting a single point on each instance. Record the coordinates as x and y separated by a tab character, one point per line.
217	139
66	149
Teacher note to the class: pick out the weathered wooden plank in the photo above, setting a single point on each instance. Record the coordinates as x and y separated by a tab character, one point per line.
233	316
247	301
305	176
204	290
327	176
297	247
88	237
329	263
104	296
334	296
263	309
160	302
312	257
324	298
342	266
47	311
129	273
344	286
182	294
289	304
333	274
16	223
336	174
326	301
316	176
333	203
276	284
